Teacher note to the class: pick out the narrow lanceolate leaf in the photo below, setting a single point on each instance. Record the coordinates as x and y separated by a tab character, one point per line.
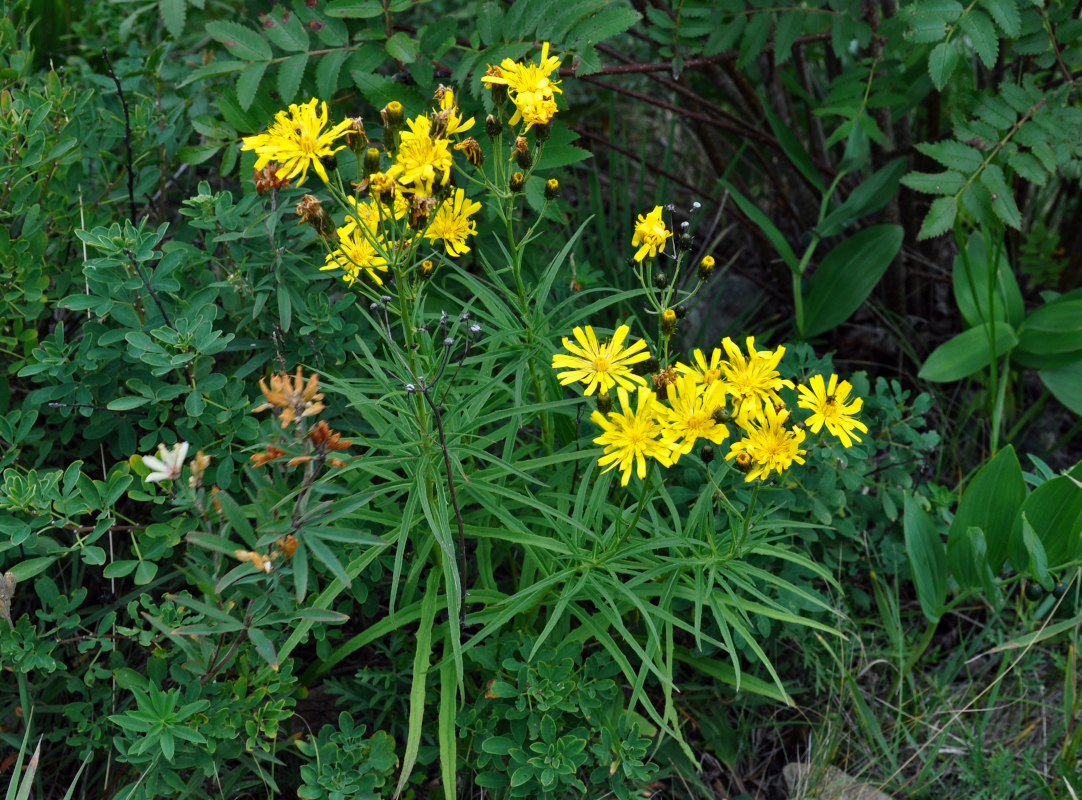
927	559
242	42
940	218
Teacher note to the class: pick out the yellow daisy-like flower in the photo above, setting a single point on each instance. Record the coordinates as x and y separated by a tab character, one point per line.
296	140
452	223
448	117
604	365
692	415
830	407
753	381
357	253
650	234
530	87
632	436
422	160
707	372
771	446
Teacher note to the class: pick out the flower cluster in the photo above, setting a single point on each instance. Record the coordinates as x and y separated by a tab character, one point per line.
696	402
296	140
530	87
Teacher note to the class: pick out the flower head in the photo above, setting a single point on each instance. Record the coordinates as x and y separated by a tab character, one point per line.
291	397
357	253
770	445
752	381
706	372
529	86
168	463
632	435
452	223
604	365
296	140
650	234
692	415
829	406
422	160
448	120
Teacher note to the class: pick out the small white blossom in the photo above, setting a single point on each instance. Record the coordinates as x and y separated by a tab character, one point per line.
168	463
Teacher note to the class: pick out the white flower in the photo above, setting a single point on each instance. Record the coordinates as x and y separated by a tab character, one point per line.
168	463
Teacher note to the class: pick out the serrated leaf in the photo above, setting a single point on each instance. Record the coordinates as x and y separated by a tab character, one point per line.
754	40
289	76
1001	196
1005	13
949	182
490	23
1028	167
240	41
1015	97
287	32
327	72
789	26
954	155
211	70
173	14
248	83
404	48
939	219
355	9
982	33
942	62
601	26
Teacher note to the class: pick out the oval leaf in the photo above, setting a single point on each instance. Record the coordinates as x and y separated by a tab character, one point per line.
966	353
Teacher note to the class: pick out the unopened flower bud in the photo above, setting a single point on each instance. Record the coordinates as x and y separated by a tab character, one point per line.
427	268
393	115
668	322
742	461
493	126
706	267
661	280
543	132
371	161
517	181
649	366
329	162
707	453
681	312
356	138
552	189
604	402
685	241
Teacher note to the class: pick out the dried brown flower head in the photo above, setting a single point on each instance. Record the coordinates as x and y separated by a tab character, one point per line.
291	398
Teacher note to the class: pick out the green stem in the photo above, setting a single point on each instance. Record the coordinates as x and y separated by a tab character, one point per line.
641	506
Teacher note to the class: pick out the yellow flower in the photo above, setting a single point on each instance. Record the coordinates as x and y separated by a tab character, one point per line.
296	140
452	223
604	365
771	446
752	381
449	117
530	87
692	415
829	407
707	372
422	160
650	234
631	437
357	252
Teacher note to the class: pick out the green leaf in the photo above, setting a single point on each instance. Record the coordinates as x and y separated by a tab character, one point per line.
954	155
355	9
327	71
402	47
289	76
490	23
264	646
1054	510
940	218
173	14
870	196
794	150
241	42
982	33
927	559
789	26
1002	198
1055	327
421	664
248	83
287	32
1038	559
949	182
1028	166
1063	383
847	276
1005	13
990	502
127	403
752	212
970	279
942	63
967	353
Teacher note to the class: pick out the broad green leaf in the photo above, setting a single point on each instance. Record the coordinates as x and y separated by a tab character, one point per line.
939	219
847	276
1055	327
971	290
241	42
990	502
764	224
927	559
1063	383
1054	510
967	353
